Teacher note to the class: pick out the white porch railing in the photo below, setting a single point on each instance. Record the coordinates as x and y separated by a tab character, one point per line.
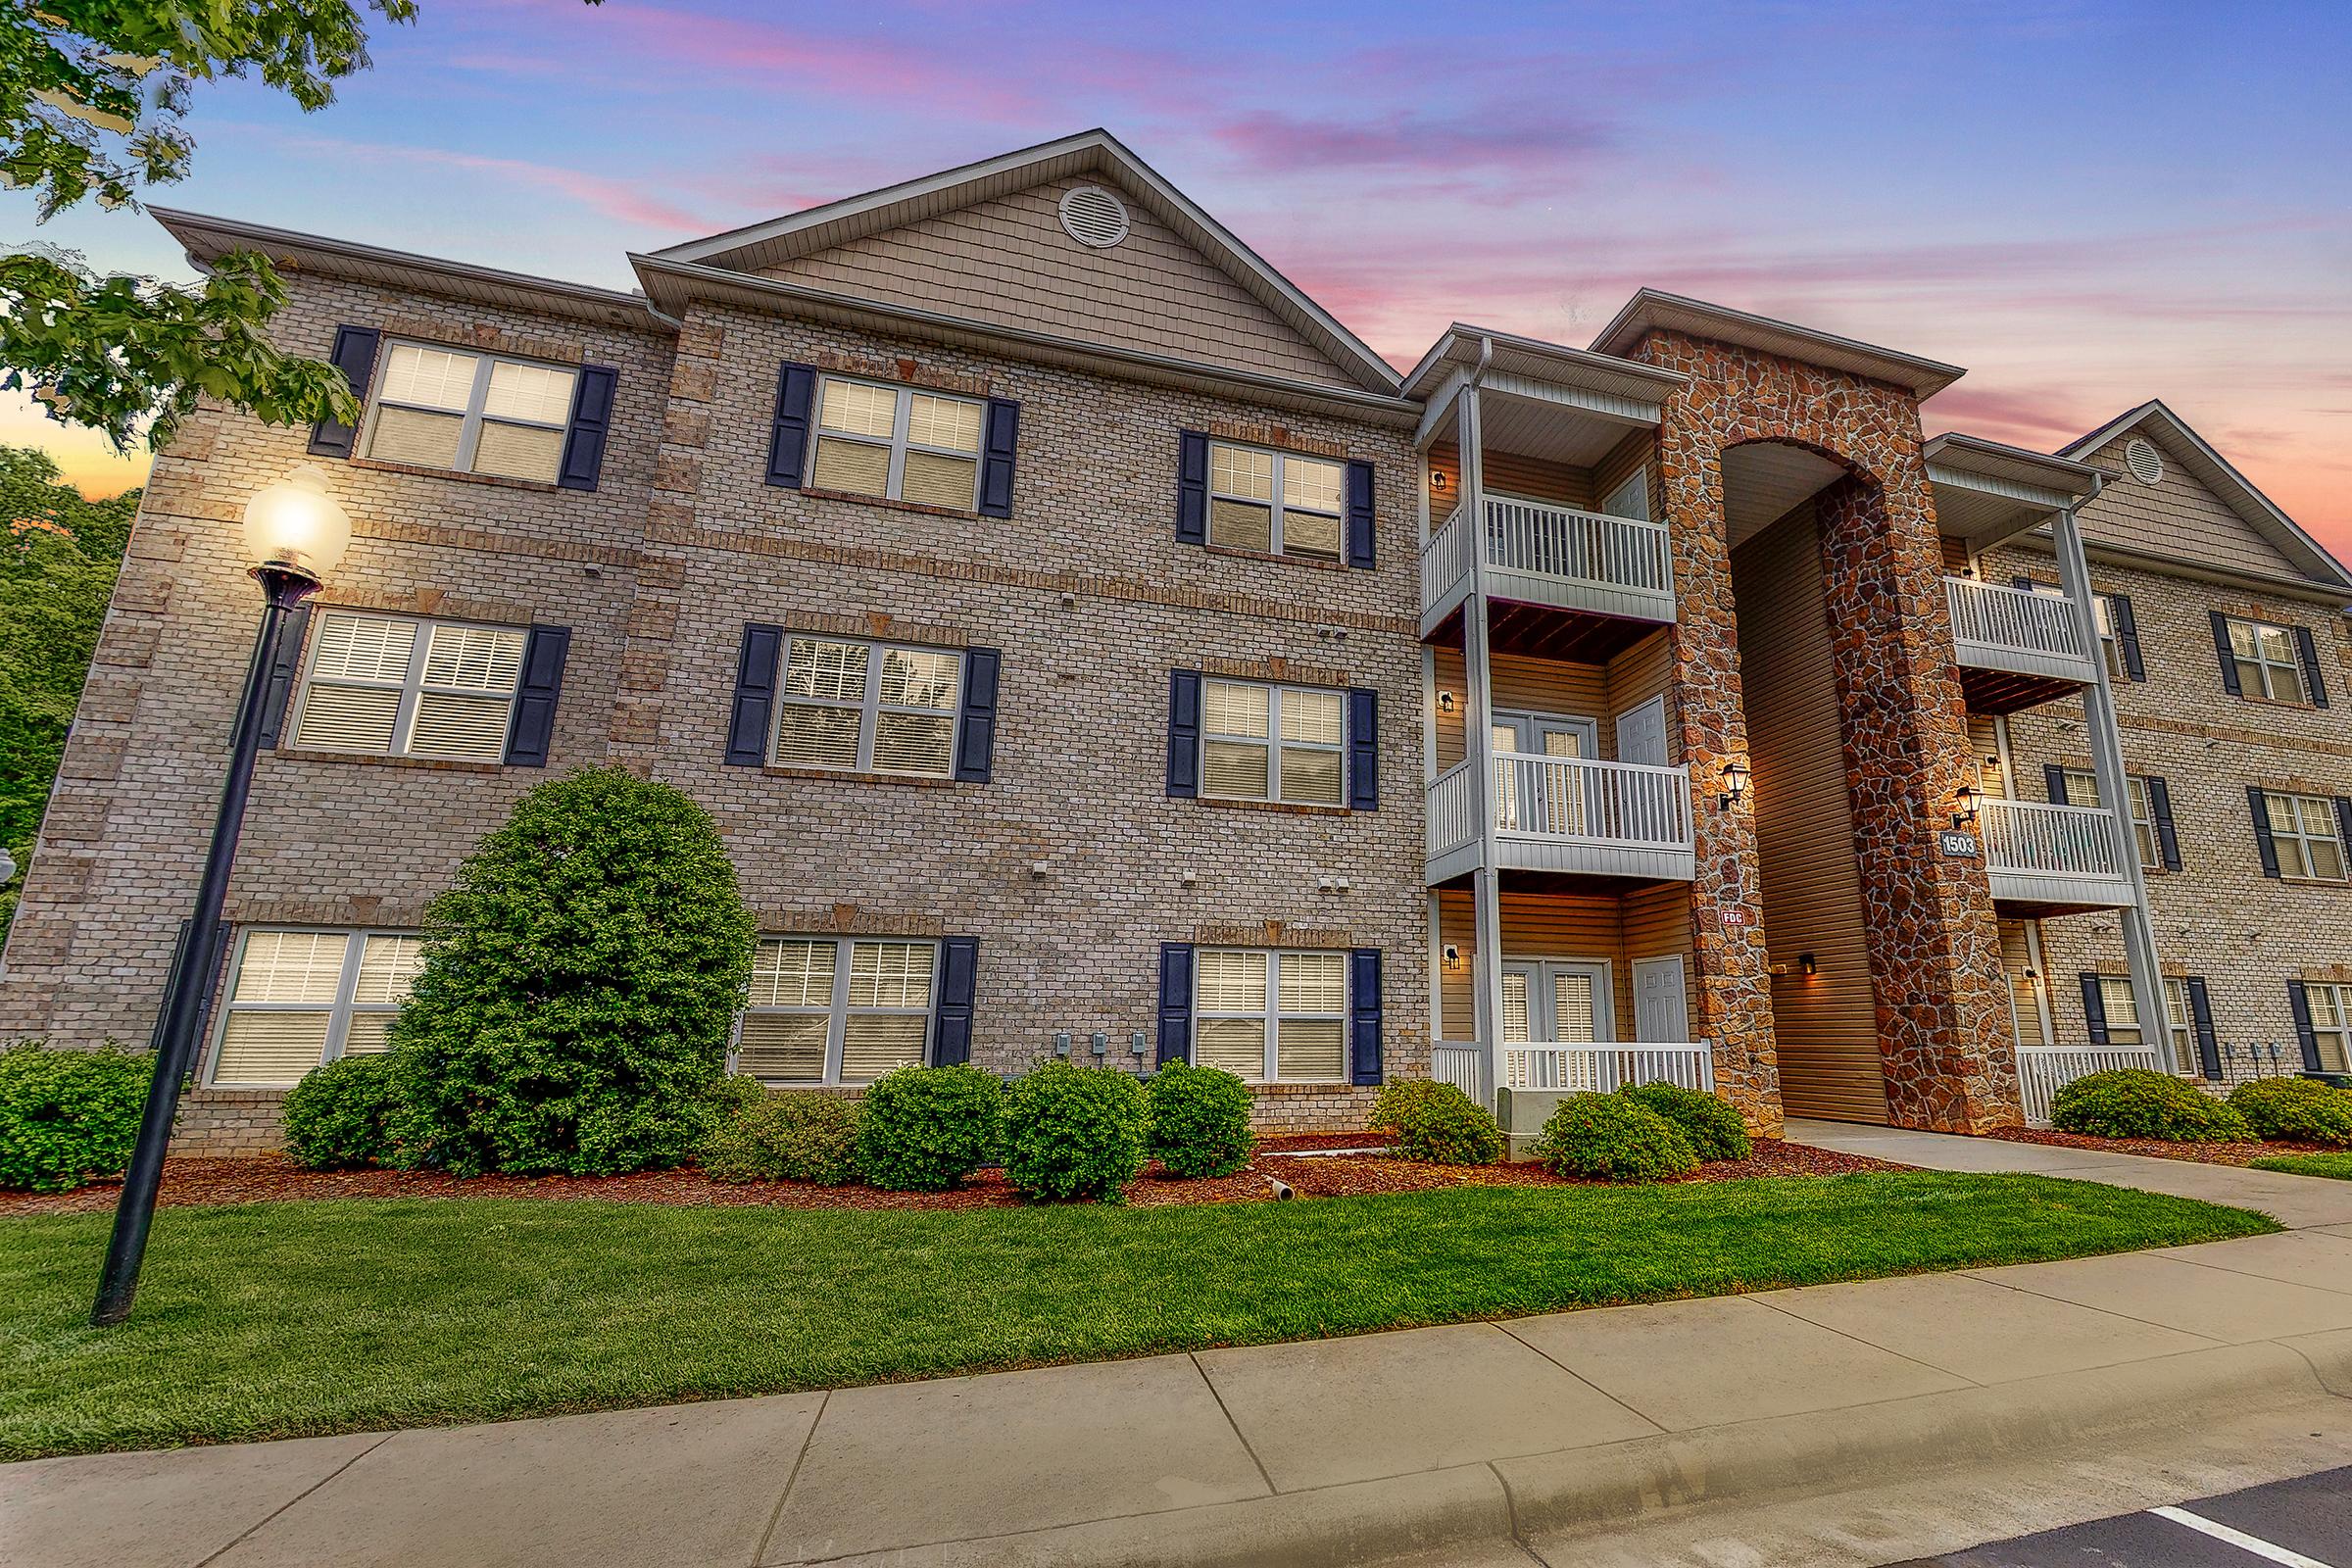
1444	559
1605	1065
2054	841
1453	819
1464	1068
2043	1070
1533	543
1610	803
2015	619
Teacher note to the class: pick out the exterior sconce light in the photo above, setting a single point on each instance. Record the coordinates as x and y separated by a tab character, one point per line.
1439	481
1806	967
1735	785
1966	799
1452	957
1445	702
2028	975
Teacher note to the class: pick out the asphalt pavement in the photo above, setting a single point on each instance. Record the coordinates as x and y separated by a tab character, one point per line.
2304	1523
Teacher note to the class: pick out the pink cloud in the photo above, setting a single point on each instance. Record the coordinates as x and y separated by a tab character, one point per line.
613	198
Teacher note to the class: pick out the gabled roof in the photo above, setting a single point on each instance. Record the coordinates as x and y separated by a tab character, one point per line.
2196	455
1653	309
1092	152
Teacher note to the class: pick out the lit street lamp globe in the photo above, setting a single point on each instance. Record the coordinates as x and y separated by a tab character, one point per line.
295	525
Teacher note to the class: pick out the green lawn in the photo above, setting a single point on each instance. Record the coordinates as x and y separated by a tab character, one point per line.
2339	1166
271	1321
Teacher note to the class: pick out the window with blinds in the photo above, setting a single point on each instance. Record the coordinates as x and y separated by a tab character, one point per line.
897	442
2269	666
2330	1024
1272	743
2083	789
1271	1016
2122	1015
828	1009
438	408
2307	836
1276	503
390	686
868	708
296	998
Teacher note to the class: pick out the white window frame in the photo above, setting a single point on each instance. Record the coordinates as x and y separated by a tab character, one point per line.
871	709
901	442
412	688
472	417
1278	505
2336	1030
2273	673
339	1011
2116	995
2301	839
1272	741
1272	1015
2111	642
2143	810
838	1014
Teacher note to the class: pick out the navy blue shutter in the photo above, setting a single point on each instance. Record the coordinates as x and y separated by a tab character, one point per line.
2095	1011
2053	778
2160	807
788	430
1192	488
542	682
1359	515
591	419
952	1016
2221	646
2263	844
754	695
998	448
1363	1016
2200	1020
2310	654
1363	749
977	724
1184	734
355	356
2298	1002
2127	634
284	670
1175	1002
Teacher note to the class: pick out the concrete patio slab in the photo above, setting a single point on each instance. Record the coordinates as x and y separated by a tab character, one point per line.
1008	1452
2299	1257
1670	1363
1385	1404
1977	1330
2170	1292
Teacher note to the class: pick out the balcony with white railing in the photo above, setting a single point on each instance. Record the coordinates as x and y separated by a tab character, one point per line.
2056	857
1550	556
2015	647
2043	1070
1595	1066
1565	814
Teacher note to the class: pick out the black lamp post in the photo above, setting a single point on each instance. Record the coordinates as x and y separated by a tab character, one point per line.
297	533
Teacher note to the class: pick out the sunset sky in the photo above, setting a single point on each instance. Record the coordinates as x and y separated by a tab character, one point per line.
2087	205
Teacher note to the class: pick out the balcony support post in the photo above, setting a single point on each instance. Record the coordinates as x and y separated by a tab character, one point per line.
1478	722
2140	959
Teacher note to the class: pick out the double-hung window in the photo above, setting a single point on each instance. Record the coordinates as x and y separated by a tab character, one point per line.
868	708
2268	664
394	686
2123	1017
2331	1025
2306	835
899	443
1271	1016
297	998
836	1010
1272	743
1276	503
440	407
2083	789
2111	643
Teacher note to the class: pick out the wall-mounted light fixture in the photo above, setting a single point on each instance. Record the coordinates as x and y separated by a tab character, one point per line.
1735	785
1438	481
1965	798
1453	955
2028	975
1806	967
1445	702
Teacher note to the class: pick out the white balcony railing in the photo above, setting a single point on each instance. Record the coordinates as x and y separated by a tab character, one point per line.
1463	1066
1609	802
1453	819
2043	1070
1444	559
1988	618
1555	556
2030	837
1602	1066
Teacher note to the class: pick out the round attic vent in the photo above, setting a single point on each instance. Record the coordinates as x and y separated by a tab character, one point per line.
1094	216
2144	460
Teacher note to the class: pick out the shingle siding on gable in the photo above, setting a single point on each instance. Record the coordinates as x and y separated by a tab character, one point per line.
2176	516
1008	262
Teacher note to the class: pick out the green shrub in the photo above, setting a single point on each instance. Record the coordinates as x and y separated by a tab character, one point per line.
1200	1121
68	1116
2299	1110
2136	1103
341	1117
1711	1127
1614	1138
578	983
925	1129
1075	1132
1436	1123
793	1135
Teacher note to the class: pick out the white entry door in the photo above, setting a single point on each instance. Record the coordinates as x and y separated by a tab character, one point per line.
1641	734
1556	1002
1661	1008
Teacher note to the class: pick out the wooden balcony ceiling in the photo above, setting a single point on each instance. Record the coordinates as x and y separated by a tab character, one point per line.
1565	884
1999	691
1542	631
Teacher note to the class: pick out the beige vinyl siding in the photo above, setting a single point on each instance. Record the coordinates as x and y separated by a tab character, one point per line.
1535	925
1657	925
2177	516
1524	685
1509	473
1985	753
1638	450
1827	1025
1955	555
2025	994
1008	262
1636	676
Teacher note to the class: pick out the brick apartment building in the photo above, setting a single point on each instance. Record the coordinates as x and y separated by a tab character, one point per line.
1086	643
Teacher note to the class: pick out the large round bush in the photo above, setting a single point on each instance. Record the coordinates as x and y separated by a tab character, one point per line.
925	1129
2300	1110
2136	1103
1075	1132
341	1117
793	1135
1200	1121
1613	1139
578	984
1436	1123
68	1116
1711	1127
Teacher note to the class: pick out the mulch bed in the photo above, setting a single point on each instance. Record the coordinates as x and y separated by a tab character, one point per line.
2199	1154
274	1178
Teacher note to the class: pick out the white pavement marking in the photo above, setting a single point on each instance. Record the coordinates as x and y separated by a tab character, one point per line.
2237	1538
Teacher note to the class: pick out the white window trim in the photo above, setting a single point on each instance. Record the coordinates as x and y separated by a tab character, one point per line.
838	1012
2149	842
2306	864
471	417
412	687
2179	1019
1272	1015
339	1011
901	442
1278	506
872	708
2340	997
2272	671
1273	742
